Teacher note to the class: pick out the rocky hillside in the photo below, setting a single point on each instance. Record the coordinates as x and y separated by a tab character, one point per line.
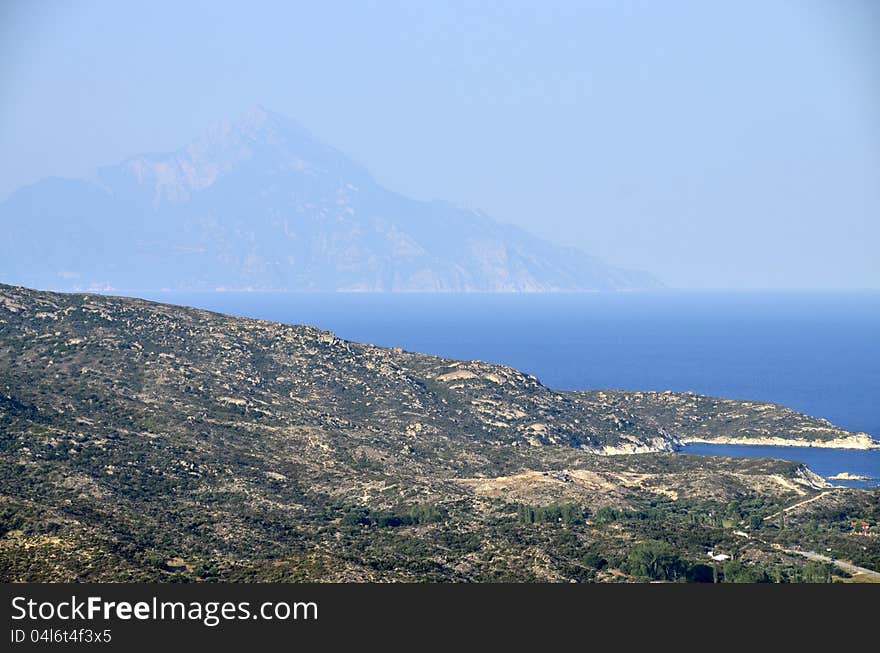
262	204
153	442
166	367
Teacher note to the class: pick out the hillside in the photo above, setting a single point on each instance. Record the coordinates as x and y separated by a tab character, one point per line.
262	204
153	442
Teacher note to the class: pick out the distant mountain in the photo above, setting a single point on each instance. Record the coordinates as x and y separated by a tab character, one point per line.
261	204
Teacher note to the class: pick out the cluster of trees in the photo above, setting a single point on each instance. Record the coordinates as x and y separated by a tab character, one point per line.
735	571
607	515
655	560
419	514
566	513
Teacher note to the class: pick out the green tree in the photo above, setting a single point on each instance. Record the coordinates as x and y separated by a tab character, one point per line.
656	560
700	573
817	572
735	571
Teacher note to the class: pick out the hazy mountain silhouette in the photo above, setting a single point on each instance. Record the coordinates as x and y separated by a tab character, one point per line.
261	204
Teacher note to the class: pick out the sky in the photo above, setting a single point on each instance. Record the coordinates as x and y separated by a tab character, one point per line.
730	145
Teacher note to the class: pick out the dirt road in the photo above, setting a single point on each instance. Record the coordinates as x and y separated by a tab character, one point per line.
846	566
798	504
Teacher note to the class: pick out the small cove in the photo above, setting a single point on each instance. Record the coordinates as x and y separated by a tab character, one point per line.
825	462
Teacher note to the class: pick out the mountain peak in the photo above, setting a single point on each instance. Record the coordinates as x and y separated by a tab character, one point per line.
257	125
259	113
259	122
261	141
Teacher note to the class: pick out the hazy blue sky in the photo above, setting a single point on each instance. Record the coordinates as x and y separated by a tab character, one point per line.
716	144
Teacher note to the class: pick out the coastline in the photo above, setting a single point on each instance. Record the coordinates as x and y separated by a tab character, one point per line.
860	441
855	442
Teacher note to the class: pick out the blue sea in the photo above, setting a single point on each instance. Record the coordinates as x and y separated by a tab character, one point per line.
818	353
824	462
